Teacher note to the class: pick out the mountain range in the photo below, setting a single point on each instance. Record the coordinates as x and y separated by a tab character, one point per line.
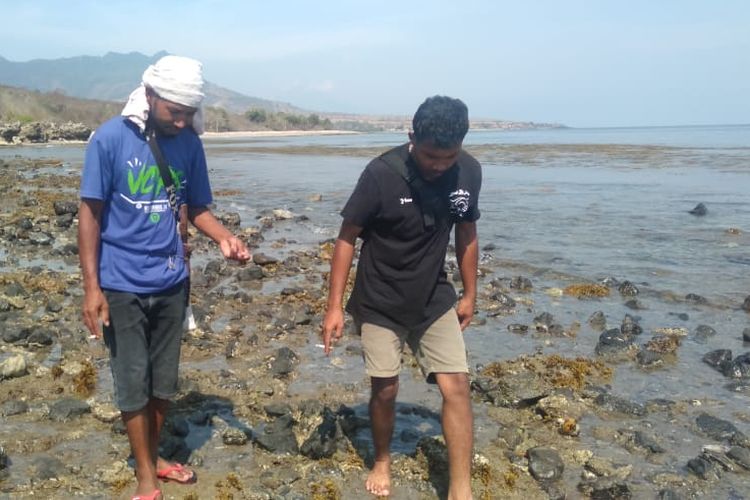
112	77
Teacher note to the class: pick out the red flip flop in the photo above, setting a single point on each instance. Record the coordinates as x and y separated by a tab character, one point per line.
164	474
152	496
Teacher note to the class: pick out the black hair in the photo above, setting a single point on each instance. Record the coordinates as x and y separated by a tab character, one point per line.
441	120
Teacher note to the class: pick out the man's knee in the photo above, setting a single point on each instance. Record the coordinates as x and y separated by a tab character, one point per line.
384	389
453	386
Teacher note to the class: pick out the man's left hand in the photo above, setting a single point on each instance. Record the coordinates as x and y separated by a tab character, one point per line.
235	249
465	311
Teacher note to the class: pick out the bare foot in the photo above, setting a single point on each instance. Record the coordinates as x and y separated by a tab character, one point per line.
379	480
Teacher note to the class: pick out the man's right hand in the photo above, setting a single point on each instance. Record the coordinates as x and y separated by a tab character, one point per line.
95	311
333	328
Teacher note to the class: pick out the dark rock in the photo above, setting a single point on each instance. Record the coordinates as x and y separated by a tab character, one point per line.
3	460
64	221
54	306
718	359
630	326
714	427
739	367
45	468
278	436
232	436
262	259
503	300
627	289
614	403
489	247
613	341
40	337
68	408
543	321
740	455
15	289
746	335
635	304
313	407
696	299
277	409
230	219
283	363
681	316
250	273
65	207
14	336
545	464
518	328
598	320
667	494
41	238
215	268
326	439
746	304
699	210
644	441
606	488
648	358
739	439
520	283
703	333
13	407
704	469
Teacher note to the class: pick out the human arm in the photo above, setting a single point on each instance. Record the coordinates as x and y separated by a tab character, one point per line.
231	246
467	255
95	306
343	255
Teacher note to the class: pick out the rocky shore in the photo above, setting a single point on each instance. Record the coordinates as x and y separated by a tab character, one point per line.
42	131
261	414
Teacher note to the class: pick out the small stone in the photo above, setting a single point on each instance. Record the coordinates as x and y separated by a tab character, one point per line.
545	464
14	366
628	289
234	437
699	210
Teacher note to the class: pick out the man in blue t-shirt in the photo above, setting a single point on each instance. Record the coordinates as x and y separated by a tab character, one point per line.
132	256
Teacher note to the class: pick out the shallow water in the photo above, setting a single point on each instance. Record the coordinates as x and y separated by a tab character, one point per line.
559	207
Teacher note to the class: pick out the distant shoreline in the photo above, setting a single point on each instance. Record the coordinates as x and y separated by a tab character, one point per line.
241	134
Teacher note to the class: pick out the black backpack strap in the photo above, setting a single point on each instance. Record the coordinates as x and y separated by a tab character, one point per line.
430	200
166	176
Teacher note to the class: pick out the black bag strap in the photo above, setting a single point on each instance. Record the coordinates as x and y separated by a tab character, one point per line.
166	176
429	199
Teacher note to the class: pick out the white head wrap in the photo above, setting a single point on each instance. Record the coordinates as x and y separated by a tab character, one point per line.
174	78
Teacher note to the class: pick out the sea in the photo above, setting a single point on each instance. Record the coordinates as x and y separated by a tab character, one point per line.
560	207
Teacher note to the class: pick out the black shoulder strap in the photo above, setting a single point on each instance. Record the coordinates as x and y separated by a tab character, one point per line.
166	177
429	199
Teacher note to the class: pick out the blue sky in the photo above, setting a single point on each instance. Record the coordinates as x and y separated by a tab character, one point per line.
581	63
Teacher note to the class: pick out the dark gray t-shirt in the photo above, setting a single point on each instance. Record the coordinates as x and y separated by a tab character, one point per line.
401	280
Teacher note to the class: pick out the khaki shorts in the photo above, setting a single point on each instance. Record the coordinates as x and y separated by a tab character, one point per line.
439	349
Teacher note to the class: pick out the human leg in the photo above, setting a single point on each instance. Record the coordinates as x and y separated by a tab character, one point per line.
441	353
457	420
382	421
166	316
381	349
127	340
138	428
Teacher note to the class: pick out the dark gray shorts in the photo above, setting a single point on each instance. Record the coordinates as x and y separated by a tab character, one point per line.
143	337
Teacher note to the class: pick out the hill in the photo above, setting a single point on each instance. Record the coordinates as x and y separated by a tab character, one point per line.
112	77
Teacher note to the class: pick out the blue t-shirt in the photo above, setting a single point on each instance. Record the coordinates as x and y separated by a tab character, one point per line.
141	251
